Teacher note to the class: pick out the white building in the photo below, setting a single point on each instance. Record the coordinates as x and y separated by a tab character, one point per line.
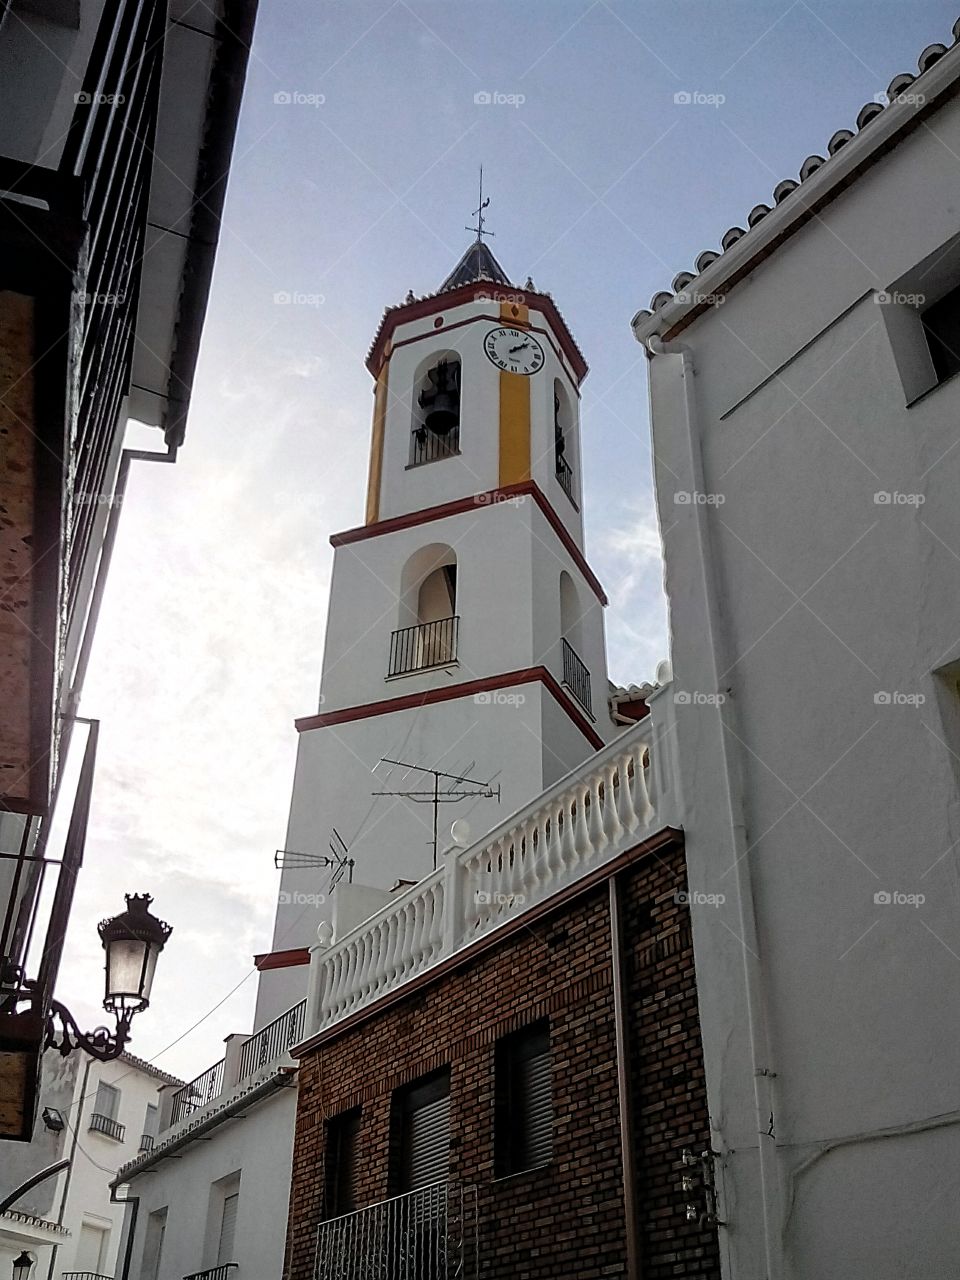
99	1116
465	635
805	419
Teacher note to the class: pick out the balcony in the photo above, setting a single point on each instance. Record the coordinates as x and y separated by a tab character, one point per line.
84	1275
214	1273
105	1125
576	677
430	644
272	1041
430	1234
616	799
146	1142
207	1086
565	476
429	446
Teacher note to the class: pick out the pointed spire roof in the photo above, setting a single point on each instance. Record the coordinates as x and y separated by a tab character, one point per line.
478	263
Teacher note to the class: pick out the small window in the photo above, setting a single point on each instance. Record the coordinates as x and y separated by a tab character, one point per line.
523	1125
941	326
228	1229
343	1137
108	1101
153	1244
436	420
563	438
421	1127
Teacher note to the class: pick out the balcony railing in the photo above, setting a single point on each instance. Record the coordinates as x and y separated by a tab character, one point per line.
146	1141
104	1124
431	644
576	676
214	1273
273	1040
565	476
207	1086
428	446
84	1275
430	1234
616	799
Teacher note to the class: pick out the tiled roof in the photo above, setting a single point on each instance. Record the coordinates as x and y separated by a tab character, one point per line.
140	1064
899	85
478	263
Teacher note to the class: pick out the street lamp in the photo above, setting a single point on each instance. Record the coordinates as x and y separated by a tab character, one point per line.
132	941
22	1266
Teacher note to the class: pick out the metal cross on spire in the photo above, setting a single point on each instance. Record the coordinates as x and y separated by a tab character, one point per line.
478	214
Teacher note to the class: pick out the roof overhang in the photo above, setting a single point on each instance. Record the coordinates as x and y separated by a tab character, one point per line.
204	66
884	132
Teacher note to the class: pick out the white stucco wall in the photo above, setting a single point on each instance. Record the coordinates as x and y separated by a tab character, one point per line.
827	604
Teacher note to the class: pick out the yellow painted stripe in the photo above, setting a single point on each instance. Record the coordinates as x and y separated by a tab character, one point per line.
514	428
375	474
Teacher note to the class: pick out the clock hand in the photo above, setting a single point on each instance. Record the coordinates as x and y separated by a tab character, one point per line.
520	348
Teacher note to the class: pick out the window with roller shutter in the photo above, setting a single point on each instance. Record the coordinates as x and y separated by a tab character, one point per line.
422	1128
341	1163
523	1122
228	1229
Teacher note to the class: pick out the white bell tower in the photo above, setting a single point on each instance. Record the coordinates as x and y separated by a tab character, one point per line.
465	627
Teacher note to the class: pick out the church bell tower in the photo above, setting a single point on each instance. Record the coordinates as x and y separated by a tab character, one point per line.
465	627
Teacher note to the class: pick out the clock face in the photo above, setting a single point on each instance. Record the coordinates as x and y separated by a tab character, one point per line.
514	351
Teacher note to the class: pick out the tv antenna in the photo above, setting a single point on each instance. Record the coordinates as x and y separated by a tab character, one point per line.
338	858
436	797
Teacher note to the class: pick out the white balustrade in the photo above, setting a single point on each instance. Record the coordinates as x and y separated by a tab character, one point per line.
614	800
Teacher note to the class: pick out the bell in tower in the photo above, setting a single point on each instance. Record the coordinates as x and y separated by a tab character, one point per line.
441	400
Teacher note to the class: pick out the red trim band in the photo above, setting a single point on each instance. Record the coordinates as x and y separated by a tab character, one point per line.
447	692
489	498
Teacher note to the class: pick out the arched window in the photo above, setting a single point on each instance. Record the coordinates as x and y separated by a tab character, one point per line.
563	437
427	636
435	429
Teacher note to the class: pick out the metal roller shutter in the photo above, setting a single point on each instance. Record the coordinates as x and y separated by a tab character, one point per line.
228	1229
534	1087
428	1149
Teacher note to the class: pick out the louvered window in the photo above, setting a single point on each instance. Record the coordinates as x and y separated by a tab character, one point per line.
523	1137
228	1229
343	1134
423	1118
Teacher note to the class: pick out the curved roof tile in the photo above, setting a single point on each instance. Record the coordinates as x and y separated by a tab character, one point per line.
898	85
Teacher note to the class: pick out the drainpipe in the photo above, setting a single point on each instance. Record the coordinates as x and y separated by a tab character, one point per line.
634	1262
73	1156
131	1227
732	773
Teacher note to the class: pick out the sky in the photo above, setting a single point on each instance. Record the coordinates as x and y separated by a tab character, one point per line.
363	127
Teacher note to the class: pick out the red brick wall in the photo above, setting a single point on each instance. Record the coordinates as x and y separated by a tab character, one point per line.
565	1220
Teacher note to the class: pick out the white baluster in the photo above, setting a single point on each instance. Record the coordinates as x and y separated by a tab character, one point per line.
611	819
629	819
597	835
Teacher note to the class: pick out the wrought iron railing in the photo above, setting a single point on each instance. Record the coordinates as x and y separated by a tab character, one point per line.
431	644
429	446
273	1040
207	1086
146	1141
565	476
214	1273
430	1234
104	1124
84	1275
576	676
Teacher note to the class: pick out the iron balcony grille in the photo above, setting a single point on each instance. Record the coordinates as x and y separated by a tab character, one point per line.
104	1124
431	644
429	446
565	476
273	1040
430	1234
197	1093
214	1273
84	1275
146	1142
576	677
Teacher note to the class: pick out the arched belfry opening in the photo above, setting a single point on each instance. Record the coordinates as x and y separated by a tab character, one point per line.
429	623
563	438
435	430
576	676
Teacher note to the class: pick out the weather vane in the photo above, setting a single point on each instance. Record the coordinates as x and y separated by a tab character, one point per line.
478	214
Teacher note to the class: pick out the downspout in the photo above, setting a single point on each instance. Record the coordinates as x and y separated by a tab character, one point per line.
73	1155
106	554
634	1261
732	774
131	1225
